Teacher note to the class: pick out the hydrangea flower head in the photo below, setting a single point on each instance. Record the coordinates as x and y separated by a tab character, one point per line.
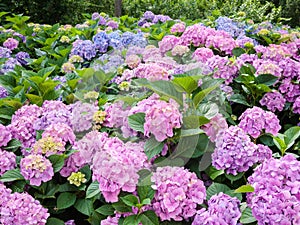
48	146
11	43
5	135
36	168
61	131
178	192
273	101
7	162
86	49
216	124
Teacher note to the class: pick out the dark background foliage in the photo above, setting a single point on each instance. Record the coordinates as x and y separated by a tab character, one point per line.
72	11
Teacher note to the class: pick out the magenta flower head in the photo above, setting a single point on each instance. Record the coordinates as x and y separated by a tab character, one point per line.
255	120
11	43
234	151
5	135
7	161
273	101
276	195
178	192
222	209
36	168
22	208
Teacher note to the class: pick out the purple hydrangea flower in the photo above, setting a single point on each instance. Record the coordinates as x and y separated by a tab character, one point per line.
178	192
273	101
234	151
21	57
203	54
101	41
276	195
167	43
222	209
113	24
11	43
7	162
4	52
216	124
5	135
9	65
110	221
86	49
255	120
296	106
32	212
36	168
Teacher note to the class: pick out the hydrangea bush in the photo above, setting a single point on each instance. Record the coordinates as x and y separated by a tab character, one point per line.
149	121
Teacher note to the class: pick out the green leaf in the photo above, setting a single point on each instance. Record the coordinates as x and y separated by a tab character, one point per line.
92	190
65	200
54	221
280	143
267	79
162	88
247	216
131	220
85	206
213	173
238	98
35	99
11	175
13	145
238	51
145	192
216	188
191	132
57	162
153	147
198	98
149	218
130	200
18	186
106	210
244	189
291	135
136	121
120	206
233	178
208	110
146	201
187	84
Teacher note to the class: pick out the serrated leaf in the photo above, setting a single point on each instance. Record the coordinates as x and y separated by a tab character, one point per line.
130	200
85	206
152	147
92	190
65	200
121	207
188	83
136	121
244	189
11	175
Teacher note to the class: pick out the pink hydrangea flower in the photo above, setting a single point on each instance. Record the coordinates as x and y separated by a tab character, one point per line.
273	101
178	192
36	168
61	131
178	28
7	161
5	135
203	54
216	124
167	43
11	43
133	61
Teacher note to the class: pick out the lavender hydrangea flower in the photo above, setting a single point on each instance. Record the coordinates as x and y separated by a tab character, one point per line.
222	209
5	135
110	221
115	39
275	199
82	116
9	65
202	54
32	213
254	120
4	52
36	168
273	101
178	28
113	24
234	151
7	162
178	192
21	57
101	41
167	43
86	49
11	43
216	124
296	106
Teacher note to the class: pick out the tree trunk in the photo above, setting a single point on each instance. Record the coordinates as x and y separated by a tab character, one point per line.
118	8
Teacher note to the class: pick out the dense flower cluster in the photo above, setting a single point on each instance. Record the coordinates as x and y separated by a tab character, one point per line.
7	161
150	18
160	117
48	146
4	52
31	213
275	199
60	131
9	65
222	209
178	192
5	135
216	124
273	101
21	57
86	49
11	43
36	168
296	106
235	152
255	120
